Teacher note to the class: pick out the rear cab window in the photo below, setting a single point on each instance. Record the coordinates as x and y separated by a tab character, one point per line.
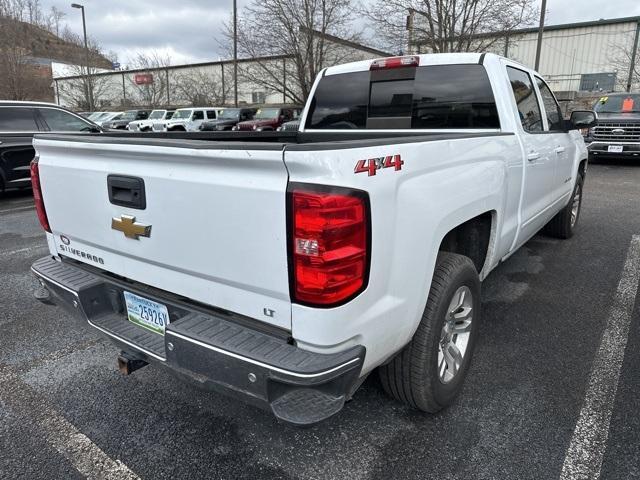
427	97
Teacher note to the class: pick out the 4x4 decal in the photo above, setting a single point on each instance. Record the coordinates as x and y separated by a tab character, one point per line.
372	165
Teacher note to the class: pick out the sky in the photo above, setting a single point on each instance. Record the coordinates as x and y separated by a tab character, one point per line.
189	30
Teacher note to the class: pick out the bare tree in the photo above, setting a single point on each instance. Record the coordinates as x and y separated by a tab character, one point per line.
87	83
296	29
13	9
447	25
621	57
201	87
150	93
53	20
34	12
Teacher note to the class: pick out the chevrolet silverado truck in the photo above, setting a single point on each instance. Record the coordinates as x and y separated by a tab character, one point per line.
617	132
284	267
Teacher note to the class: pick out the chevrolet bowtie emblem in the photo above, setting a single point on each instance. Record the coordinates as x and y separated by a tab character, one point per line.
127	225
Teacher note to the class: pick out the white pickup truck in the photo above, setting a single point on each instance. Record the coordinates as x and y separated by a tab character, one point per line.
284	267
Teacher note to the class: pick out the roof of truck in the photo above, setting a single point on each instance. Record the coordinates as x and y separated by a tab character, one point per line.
425	59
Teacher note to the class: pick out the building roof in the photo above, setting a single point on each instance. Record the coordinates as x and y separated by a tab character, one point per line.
551	28
565	26
347	43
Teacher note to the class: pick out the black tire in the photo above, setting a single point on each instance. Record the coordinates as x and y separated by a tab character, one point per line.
562	225
413	376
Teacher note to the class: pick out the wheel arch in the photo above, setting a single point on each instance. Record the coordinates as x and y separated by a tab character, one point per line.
472	238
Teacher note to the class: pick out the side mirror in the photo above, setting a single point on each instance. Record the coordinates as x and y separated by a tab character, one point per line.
582	119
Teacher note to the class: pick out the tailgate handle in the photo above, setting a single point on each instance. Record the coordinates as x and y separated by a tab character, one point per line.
127	191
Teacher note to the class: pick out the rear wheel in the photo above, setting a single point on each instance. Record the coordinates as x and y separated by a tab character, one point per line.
429	372
563	225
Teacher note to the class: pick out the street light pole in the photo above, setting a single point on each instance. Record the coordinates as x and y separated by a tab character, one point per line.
88	90
539	46
235	52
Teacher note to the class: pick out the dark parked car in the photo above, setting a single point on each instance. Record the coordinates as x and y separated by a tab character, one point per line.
129	116
19	121
617	132
269	118
228	118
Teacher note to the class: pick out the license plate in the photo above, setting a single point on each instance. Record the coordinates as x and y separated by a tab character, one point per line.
615	148
146	313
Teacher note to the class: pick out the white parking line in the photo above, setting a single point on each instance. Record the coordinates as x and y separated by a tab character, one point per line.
589	442
18	209
22	250
76	447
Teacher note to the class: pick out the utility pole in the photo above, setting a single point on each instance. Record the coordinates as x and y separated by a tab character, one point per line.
410	22
87	80
235	52
539	46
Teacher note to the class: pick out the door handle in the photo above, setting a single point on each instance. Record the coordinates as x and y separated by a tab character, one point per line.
559	150
533	156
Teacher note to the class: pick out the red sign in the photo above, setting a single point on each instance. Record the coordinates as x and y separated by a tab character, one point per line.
143	78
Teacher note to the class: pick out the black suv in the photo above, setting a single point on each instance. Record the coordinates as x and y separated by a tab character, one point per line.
227	119
19	121
128	116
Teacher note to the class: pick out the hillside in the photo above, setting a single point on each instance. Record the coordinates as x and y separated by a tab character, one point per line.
41	43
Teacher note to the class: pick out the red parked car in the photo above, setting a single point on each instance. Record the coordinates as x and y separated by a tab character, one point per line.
269	118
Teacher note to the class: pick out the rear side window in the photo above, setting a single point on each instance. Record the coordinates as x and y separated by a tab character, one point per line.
454	96
14	119
61	121
438	97
211	114
526	100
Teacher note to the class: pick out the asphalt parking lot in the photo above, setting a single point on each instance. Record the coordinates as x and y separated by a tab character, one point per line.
552	393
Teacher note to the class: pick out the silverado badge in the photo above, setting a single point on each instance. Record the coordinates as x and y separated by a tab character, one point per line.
127	225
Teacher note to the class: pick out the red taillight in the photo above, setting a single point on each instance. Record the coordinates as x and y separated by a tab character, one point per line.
37	195
395	62
329	245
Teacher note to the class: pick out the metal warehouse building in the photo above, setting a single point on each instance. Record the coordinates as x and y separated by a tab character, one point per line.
586	56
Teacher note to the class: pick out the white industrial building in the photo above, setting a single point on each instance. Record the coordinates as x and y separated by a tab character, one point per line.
586	56
209	83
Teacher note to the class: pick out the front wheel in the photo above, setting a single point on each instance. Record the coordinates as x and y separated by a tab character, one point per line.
429	372
563	225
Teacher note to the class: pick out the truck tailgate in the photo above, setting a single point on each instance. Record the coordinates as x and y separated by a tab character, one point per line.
217	218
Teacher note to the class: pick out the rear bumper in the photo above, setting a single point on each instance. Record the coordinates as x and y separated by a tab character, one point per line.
217	350
601	148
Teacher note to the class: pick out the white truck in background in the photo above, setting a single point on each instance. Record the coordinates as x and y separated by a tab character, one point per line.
284	267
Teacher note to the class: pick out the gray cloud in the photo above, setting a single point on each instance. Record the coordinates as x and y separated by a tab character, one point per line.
190	30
